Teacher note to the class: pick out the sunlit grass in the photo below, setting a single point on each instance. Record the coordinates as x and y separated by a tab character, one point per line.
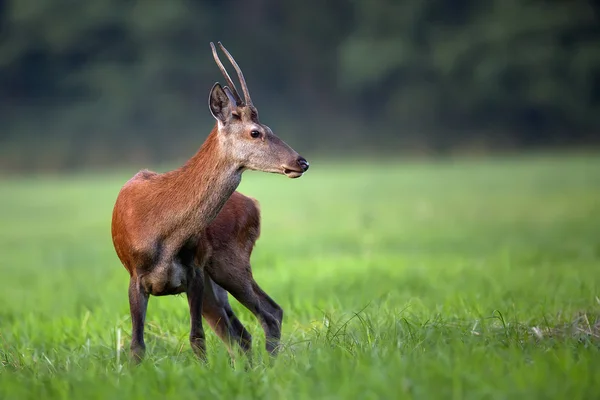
470	279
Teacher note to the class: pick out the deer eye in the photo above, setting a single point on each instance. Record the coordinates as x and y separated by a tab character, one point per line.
255	134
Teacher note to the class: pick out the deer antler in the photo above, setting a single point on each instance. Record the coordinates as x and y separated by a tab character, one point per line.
240	75
233	90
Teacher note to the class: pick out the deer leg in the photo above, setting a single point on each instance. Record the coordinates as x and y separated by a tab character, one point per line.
244	338
195	293
216	316
267	302
270	310
242	286
138	304
220	309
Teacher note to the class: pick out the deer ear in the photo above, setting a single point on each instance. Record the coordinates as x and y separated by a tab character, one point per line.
219	104
229	95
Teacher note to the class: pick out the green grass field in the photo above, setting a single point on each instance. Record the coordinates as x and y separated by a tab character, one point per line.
465	279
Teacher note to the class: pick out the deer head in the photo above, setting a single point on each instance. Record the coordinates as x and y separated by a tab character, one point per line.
243	137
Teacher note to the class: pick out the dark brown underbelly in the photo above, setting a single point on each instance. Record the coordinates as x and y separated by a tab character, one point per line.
166	280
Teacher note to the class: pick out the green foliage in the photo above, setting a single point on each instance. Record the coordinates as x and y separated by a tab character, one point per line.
502	64
97	80
445	280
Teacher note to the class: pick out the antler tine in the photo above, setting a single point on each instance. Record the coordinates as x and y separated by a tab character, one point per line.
234	91
240	74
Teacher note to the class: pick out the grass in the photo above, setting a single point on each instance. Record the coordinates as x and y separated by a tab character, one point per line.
466	279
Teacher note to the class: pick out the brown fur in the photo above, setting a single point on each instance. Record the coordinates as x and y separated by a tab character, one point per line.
156	226
222	249
167	233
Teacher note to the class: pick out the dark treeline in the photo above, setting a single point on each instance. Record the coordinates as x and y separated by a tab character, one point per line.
99	82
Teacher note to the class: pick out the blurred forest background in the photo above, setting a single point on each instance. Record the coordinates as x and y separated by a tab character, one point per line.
111	82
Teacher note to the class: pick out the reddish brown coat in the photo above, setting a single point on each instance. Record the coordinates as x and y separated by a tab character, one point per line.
162	232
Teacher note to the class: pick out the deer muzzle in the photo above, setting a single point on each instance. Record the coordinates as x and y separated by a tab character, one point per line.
297	170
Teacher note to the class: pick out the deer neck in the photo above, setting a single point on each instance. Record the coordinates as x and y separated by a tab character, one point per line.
202	186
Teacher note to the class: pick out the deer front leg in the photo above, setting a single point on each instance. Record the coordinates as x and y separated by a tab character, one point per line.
195	293
138	304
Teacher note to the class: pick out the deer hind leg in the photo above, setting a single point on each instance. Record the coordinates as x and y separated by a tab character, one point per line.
221	318
270	304
243	337
268	309
195	293
138	304
235	276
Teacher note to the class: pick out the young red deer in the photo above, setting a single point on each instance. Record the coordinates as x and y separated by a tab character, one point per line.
159	220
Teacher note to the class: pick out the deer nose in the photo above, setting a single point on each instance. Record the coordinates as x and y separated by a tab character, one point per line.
303	164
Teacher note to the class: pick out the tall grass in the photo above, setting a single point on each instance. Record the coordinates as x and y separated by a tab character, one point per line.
467	279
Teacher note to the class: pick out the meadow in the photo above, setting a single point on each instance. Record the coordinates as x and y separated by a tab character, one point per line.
462	279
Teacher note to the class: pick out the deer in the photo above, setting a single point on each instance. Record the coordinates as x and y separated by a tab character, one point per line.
160	220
